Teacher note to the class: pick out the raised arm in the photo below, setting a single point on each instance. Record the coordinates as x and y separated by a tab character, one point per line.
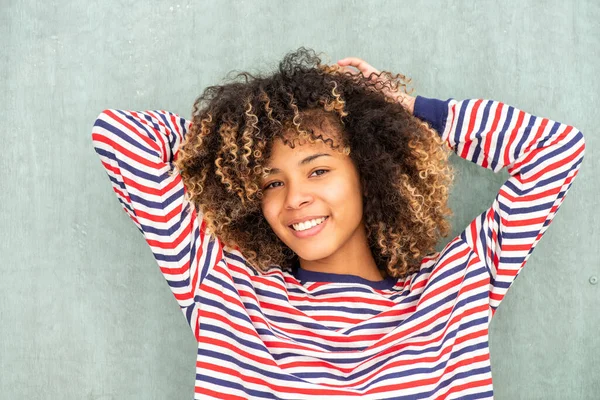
542	157
136	150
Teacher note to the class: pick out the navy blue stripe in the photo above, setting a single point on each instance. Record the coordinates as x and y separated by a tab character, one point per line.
434	349
502	138
482	123
232	385
524	135
125	136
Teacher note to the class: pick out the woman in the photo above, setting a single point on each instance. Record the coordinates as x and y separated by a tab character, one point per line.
295	219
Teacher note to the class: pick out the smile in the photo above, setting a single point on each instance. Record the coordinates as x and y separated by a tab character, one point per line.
310	231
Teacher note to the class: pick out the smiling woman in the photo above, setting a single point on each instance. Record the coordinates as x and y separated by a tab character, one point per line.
320	191
389	172
294	216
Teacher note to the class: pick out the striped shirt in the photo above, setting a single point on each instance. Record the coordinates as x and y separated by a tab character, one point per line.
307	335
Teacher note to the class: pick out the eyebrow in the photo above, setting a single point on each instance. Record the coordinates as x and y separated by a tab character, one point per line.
301	163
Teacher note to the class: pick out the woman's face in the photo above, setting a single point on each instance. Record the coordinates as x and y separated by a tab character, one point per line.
311	182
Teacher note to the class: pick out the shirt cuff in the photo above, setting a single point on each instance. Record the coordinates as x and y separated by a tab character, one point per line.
433	111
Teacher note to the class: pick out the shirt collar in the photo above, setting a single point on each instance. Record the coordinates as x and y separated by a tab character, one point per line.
313	276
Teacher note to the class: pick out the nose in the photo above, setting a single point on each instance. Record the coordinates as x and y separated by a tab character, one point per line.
297	196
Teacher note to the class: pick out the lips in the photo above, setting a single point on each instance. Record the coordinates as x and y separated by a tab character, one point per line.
304	219
311	231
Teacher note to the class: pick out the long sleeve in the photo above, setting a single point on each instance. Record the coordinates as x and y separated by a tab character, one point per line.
542	157
136	150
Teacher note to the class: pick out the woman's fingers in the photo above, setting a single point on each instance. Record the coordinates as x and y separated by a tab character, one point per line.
365	68
355	62
348	69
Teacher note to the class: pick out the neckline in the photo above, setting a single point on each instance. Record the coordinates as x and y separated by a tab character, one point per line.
304	275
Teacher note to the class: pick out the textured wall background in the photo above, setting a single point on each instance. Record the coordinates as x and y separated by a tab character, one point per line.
84	311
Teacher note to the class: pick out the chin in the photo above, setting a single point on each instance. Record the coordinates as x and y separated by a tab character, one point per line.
313	254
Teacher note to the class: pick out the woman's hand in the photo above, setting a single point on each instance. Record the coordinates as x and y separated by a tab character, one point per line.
407	101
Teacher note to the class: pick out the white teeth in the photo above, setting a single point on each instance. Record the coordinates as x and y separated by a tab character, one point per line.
302	226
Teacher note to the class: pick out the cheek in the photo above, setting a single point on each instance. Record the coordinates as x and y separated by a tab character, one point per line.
346	192
347	201
269	212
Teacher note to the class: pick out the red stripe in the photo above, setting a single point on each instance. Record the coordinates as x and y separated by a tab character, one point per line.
467	139
132	129
269	384
143	160
531	154
424	382
341	299
468	385
397	363
217	395
256	360
513	136
545	173
453	112
489	135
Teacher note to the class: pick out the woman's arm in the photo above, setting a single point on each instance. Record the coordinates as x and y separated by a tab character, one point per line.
136	150
542	157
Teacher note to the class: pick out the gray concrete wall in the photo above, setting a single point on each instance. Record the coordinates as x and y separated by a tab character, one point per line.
84	310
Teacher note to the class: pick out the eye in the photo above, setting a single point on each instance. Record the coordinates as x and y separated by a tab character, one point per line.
317	170
270	185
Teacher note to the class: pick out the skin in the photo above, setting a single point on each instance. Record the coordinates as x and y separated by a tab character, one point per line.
326	186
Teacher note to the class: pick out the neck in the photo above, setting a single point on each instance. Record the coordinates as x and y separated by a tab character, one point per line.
353	258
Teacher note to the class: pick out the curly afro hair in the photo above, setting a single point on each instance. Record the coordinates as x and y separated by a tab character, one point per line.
402	162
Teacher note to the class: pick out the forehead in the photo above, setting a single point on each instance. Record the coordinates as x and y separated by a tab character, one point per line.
284	158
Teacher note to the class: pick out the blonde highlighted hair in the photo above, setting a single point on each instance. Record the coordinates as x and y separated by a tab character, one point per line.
402	162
